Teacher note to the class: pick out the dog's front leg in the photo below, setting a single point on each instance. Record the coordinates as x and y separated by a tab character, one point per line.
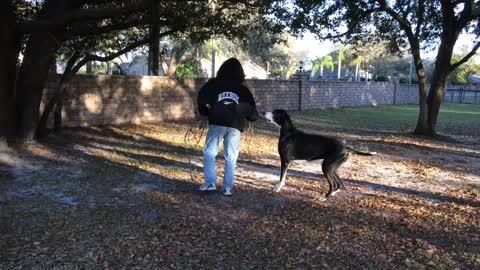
283	176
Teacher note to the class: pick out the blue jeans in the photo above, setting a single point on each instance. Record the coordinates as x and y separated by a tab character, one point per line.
231	147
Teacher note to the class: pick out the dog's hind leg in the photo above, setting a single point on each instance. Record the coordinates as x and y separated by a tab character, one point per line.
328	169
283	176
339	180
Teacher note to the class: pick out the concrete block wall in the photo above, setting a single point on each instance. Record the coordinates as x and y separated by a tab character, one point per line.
275	94
101	99
345	94
407	94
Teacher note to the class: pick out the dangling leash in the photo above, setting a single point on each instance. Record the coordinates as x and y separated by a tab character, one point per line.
192	134
249	135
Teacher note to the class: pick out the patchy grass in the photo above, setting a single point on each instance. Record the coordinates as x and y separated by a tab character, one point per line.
121	197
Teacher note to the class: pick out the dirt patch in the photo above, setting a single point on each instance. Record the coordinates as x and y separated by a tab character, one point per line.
122	197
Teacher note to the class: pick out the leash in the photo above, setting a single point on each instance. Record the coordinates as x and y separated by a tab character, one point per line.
192	135
249	135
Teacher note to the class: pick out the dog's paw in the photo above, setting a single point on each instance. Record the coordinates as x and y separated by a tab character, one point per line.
322	199
335	192
277	189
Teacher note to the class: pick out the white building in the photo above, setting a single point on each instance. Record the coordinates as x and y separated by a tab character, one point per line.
139	66
251	69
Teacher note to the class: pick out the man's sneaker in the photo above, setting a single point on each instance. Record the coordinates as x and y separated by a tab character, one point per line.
227	192
207	187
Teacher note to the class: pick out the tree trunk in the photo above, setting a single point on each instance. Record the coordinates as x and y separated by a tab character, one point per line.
173	65
89	68
430	105
33	74
441	71
154	51
42	131
57	116
56	101
10	40
423	128
109	68
154	46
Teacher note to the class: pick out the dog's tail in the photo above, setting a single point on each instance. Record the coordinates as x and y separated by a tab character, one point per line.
361	152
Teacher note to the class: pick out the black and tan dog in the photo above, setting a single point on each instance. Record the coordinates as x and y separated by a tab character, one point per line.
294	144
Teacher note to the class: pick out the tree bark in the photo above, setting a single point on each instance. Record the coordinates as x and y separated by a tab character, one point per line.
89	68
10	40
154	46
441	71
423	127
57	115
430	104
173	65
33	74
154	51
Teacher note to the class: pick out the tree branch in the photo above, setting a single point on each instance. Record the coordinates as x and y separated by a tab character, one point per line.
404	24
351	26
420	17
73	59
90	57
84	15
467	15
86	30
465	58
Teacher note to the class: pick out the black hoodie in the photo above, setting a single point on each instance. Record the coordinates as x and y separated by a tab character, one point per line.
225	100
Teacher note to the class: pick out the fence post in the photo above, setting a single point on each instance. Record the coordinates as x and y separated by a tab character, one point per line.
300	93
396	81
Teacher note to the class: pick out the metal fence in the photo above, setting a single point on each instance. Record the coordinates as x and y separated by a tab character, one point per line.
461	95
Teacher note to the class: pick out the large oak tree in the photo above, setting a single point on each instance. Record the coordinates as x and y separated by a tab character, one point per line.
37	29
412	24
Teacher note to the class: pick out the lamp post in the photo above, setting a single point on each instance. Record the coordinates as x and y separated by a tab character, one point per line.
300	66
396	81
369	72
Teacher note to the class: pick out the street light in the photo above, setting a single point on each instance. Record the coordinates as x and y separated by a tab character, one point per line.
300	66
368	72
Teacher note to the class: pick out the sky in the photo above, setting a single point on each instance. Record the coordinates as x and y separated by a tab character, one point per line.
316	48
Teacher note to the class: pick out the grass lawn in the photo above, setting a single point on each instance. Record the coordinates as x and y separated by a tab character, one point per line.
121	197
454	119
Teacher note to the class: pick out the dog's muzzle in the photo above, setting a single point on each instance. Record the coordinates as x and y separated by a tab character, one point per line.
268	116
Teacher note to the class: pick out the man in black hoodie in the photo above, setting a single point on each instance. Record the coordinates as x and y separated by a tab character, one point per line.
229	105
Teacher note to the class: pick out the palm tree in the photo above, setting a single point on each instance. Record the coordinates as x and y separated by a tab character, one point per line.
357	61
319	63
340	58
